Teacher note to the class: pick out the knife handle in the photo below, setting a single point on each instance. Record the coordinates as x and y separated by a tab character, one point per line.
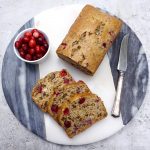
116	106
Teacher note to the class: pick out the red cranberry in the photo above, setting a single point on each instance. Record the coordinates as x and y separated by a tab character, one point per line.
39	56
28	34
32	43
67	124
63	73
35	58
32	51
43	50
64	45
17	44
41	35
26	39
40	40
22	54
104	45
45	45
20	50
25	47
40	88
81	100
38	49
66	81
66	111
34	30
36	34
56	93
97	100
21	40
32	38
54	108
28	57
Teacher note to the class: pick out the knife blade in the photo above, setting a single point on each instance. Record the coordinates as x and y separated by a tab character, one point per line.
122	67
122	63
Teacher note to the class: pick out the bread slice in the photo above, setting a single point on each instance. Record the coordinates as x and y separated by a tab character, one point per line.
89	39
80	113
64	94
45	87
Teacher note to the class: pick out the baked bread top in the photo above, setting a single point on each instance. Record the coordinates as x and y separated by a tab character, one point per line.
89	38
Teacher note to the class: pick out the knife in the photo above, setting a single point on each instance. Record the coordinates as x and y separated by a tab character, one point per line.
122	67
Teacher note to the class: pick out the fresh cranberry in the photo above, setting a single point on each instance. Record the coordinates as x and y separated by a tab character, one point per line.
45	45
22	54
67	124
21	40
41	35
36	34
63	73
39	56
43	50
54	108
35	58
40	40
20	50
38	49
66	81
66	111
28	57
32	38
25	47
32	43
26	39
17	44
28	34
34	30
81	100
32	51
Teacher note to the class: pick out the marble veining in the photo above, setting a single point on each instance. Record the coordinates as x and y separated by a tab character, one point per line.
136	76
18	79
134	89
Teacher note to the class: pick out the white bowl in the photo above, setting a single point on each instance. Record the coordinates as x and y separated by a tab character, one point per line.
32	61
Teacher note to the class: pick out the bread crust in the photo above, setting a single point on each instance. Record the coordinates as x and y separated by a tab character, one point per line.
89	39
45	87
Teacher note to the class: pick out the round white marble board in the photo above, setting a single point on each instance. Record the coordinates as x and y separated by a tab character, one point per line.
17	85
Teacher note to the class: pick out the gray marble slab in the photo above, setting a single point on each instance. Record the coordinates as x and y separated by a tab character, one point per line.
136	136
18	78
136	76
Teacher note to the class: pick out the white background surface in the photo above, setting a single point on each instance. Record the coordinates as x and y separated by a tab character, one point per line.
135	136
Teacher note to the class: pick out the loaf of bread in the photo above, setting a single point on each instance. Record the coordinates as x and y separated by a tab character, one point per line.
80	113
89	39
64	94
44	89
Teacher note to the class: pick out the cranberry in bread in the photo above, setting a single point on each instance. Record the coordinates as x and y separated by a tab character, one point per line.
64	94
80	113
89	39
51	83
